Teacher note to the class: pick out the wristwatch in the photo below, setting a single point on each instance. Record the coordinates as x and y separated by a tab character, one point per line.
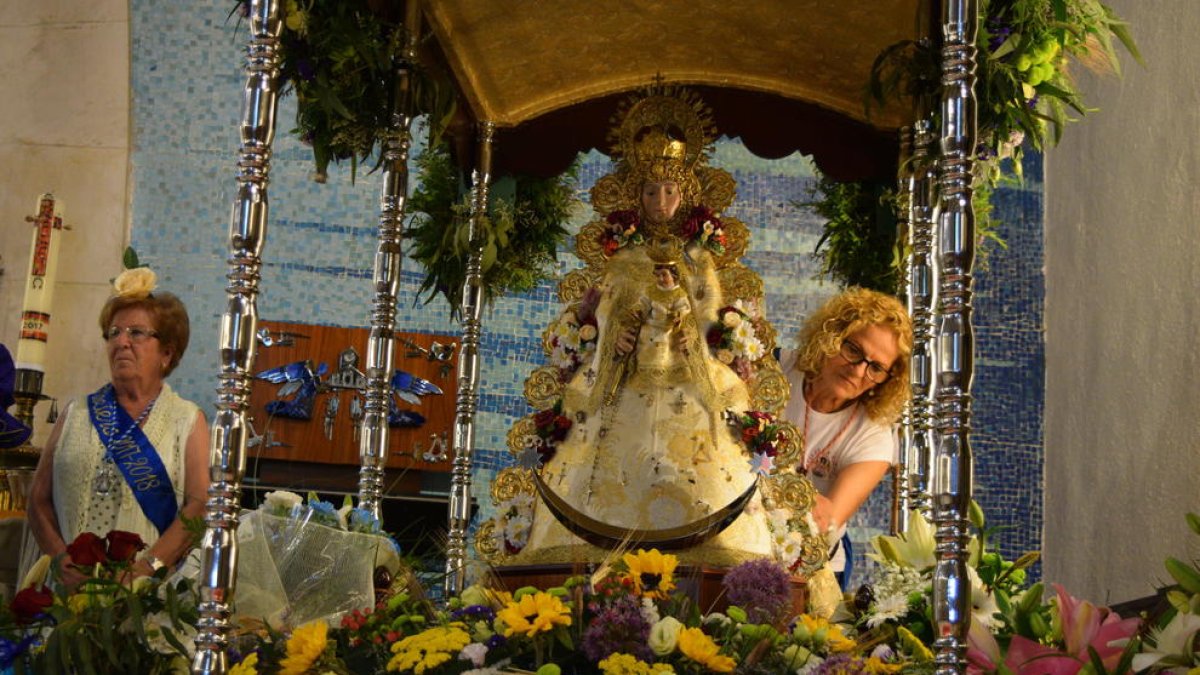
154	563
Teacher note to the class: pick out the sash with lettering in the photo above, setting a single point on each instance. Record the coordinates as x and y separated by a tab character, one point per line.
135	457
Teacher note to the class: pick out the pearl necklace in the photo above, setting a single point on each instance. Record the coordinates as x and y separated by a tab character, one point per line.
107	478
820	457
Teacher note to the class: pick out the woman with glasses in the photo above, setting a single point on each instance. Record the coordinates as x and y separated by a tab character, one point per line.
849	380
132	456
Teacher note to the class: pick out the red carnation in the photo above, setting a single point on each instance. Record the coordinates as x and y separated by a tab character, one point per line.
749	434
31	603
123	546
625	219
87	550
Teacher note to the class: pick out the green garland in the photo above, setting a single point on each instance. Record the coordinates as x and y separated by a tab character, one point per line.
339	56
520	235
857	247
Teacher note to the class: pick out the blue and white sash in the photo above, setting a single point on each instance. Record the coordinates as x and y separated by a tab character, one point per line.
135	457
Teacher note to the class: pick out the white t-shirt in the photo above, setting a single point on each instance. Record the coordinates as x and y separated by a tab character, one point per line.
864	440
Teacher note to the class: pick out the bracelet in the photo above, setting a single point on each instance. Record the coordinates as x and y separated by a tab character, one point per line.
154	563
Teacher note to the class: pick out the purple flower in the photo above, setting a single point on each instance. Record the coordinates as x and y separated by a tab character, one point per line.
841	664
620	627
474	613
760	587
497	640
306	69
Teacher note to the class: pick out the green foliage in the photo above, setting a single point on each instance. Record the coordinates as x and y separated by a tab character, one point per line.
519	237
340	58
858	246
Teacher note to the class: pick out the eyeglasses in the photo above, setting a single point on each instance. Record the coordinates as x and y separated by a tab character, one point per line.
854	355
137	334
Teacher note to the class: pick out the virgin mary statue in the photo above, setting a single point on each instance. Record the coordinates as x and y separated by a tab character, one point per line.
656	418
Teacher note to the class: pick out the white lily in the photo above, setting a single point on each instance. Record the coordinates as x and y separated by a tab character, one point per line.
914	548
1172	641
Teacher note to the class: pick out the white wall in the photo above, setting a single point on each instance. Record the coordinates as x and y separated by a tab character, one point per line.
1123	317
64	128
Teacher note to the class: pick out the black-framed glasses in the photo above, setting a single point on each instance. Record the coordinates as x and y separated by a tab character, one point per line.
854	355
137	334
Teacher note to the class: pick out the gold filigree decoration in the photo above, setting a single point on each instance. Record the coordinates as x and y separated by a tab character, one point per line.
770	389
789	491
737	240
792	447
574	285
511	482
717	189
487	546
608	195
519	432
765	332
543	387
739	282
587	243
677	110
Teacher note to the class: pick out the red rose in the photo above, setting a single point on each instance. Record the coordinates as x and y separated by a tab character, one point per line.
690	228
715	336
749	434
87	550
624	219
123	546
610	246
31	603
544	420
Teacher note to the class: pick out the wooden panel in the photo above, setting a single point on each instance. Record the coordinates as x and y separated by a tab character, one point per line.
307	438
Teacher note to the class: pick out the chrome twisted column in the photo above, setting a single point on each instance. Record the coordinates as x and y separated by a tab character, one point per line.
956	339
921	299
468	372
904	187
247	231
381	342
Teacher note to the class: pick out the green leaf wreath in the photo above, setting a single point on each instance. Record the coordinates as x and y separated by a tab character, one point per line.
520	235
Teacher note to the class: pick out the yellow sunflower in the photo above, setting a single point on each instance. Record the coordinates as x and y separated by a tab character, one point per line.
823	632
247	666
429	649
534	613
652	572
627	664
700	648
304	648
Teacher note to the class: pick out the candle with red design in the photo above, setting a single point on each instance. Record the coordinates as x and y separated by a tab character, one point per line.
39	286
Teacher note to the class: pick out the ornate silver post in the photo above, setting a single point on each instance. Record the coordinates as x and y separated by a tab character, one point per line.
956	339
904	186
373	443
921	299
247	231
468	372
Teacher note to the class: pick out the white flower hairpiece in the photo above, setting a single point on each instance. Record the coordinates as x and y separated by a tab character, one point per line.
136	283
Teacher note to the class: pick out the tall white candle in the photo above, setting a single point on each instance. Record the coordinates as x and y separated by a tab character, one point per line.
39	287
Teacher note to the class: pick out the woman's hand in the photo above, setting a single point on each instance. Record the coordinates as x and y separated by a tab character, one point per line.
70	573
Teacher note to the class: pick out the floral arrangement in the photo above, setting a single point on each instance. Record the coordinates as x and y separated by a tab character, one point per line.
572	336
339	57
621	229
760	432
551	426
519	236
704	227
110	622
514	519
734	340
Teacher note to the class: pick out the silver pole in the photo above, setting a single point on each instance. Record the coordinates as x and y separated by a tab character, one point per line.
373	443
956	339
247	232
922	299
468	372
900	480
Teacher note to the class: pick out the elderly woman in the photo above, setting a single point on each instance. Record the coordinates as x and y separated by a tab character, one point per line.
132	456
849	382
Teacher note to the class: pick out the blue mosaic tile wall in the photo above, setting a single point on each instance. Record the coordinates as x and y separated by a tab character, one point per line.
187	82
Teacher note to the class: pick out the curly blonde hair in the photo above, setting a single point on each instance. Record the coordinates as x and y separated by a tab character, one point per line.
847	313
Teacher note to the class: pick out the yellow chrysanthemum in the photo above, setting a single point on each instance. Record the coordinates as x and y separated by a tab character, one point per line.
627	664
304	648
876	666
429	648
700	648
652	572
534	613
247	666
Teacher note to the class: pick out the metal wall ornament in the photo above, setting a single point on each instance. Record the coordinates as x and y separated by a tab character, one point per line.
955	336
468	371
231	428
